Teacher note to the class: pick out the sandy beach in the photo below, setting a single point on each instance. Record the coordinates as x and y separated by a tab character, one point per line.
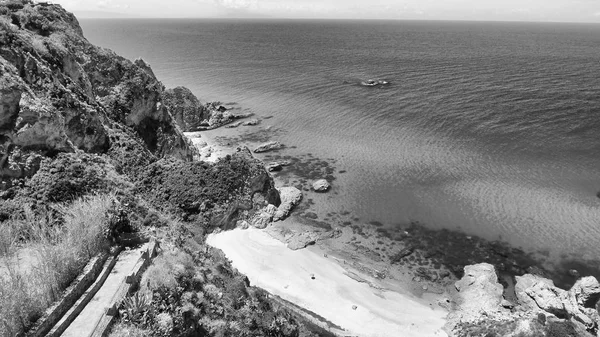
354	306
209	149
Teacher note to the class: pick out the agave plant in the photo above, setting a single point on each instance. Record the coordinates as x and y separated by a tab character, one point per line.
137	307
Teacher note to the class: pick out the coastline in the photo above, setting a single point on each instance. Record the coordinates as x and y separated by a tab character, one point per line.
404	277
344	275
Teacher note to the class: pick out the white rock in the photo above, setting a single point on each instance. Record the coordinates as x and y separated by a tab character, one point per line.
321	185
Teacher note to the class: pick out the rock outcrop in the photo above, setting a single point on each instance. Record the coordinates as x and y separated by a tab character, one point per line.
479	306
185	107
479	293
264	217
192	115
579	303
290	197
59	93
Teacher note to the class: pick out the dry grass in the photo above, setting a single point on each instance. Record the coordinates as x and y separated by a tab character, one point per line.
56	255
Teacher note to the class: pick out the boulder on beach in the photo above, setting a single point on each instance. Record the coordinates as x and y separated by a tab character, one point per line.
270	146
263	218
321	185
302	240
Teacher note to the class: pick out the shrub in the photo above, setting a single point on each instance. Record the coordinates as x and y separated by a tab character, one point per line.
163	273
190	188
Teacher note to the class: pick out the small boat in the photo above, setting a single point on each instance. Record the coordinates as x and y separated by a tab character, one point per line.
370	83
374	83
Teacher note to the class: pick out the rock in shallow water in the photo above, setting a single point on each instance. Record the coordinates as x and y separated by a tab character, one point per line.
251	122
234	125
321	185
273	167
270	146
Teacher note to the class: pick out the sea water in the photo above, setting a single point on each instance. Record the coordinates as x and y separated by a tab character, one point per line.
490	128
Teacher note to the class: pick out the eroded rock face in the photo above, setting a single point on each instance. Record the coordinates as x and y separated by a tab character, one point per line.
11	88
479	305
264	217
185	107
579	303
586	292
59	93
290	197
535	293
478	292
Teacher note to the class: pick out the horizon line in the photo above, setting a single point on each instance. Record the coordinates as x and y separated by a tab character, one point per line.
125	17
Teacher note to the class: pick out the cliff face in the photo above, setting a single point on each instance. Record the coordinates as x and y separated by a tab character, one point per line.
185	107
192	115
59	93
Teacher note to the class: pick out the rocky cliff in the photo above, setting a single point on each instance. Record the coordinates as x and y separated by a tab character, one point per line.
59	93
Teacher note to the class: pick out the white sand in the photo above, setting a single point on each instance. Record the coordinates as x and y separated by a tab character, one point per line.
210	150
270	265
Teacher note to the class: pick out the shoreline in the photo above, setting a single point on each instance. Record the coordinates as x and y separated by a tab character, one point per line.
355	306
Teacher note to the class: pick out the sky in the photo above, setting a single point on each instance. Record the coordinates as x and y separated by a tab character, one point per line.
481	10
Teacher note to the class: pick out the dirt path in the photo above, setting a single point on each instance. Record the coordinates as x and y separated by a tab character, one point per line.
85	323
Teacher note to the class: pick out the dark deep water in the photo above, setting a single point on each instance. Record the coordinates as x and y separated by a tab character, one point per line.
487	127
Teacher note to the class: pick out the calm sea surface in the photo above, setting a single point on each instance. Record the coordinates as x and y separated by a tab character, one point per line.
493	128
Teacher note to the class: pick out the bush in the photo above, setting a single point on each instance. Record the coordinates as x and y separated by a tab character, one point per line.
70	176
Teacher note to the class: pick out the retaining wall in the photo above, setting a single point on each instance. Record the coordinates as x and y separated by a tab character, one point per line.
53	314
